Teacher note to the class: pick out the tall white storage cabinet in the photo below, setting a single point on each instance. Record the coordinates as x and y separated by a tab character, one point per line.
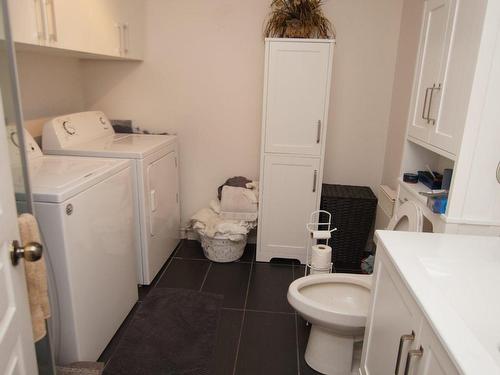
294	119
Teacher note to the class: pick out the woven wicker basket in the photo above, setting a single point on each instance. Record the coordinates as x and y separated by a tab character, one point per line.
222	250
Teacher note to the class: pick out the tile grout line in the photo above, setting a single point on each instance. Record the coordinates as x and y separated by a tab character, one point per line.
243	317
297	351
206	275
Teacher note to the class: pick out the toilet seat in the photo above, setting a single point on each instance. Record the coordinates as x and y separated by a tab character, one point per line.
338	297
407	218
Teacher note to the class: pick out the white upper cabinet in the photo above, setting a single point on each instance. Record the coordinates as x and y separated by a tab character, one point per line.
429	88
98	27
27	21
297	94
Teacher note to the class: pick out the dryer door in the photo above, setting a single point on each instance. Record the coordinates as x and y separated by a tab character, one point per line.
164	212
408	218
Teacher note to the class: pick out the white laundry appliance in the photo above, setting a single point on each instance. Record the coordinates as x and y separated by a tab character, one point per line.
155	166
84	207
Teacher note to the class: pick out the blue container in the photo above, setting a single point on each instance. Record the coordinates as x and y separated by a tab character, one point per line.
437	204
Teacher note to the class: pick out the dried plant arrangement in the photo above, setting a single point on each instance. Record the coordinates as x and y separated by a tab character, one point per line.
298	19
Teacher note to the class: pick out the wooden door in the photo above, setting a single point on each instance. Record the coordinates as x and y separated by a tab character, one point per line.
290	193
434	359
296	97
27	21
17	351
431	67
392	322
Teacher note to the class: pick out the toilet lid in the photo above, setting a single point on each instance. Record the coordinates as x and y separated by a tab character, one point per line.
407	218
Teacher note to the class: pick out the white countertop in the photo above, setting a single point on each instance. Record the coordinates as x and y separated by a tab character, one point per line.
455	279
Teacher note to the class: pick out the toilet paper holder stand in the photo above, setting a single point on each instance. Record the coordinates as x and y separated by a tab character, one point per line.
318	230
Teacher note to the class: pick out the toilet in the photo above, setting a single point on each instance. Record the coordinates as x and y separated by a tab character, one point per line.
336	305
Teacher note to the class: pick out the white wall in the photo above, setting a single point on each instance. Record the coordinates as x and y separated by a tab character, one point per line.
411	20
50	85
364	61
202	78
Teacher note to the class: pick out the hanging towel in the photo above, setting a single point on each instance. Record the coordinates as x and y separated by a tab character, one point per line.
238	204
36	278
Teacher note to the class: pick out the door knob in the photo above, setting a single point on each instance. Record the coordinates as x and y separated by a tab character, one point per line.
31	252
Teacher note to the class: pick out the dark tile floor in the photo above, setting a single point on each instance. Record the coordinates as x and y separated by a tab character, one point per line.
259	333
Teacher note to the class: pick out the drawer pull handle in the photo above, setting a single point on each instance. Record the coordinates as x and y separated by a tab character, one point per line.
315	180
429	119
402	340
418	353
318	134
425	103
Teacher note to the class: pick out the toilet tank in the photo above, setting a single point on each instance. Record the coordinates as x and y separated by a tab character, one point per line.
385	207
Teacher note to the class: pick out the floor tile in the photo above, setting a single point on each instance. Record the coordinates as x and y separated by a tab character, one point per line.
230	280
249	254
190	249
268	287
267	345
302	337
298	271
227	341
184	273
110	348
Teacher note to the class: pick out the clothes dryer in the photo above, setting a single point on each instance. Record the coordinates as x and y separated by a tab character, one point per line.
156	181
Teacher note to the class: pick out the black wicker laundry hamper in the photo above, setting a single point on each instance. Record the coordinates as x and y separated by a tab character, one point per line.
353	211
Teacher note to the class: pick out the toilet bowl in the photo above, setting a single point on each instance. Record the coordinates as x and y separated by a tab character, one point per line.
337	304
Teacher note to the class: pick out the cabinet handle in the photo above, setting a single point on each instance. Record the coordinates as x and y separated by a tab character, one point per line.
41	21
315	180
125	38
53	26
429	119
412	354
318	134
402	340
425	103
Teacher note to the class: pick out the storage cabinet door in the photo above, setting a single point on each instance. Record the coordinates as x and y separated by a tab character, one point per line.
290	194
392	320
431	67
68	24
297	88
27	21
434	359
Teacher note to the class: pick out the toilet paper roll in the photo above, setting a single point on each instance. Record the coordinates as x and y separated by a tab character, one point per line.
321	256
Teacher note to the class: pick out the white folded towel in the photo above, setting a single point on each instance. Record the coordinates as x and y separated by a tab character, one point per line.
238	203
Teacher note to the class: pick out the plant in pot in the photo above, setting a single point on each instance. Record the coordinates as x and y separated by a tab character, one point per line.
298	19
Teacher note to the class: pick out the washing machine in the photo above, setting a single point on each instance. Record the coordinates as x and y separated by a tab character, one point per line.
155	167
84	207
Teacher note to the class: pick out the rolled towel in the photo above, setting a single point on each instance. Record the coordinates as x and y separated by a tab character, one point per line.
36	278
238	204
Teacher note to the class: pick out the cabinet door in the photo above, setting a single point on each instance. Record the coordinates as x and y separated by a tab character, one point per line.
433	360
297	90
131	14
290	194
104	27
392	321
431	67
68	24
27	21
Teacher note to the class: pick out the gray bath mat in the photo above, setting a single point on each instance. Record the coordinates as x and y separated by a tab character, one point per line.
173	332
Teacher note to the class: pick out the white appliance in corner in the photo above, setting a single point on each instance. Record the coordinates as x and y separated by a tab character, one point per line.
155	165
294	120
84	207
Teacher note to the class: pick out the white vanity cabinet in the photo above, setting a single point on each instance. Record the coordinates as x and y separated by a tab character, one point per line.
294	120
398	338
111	28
